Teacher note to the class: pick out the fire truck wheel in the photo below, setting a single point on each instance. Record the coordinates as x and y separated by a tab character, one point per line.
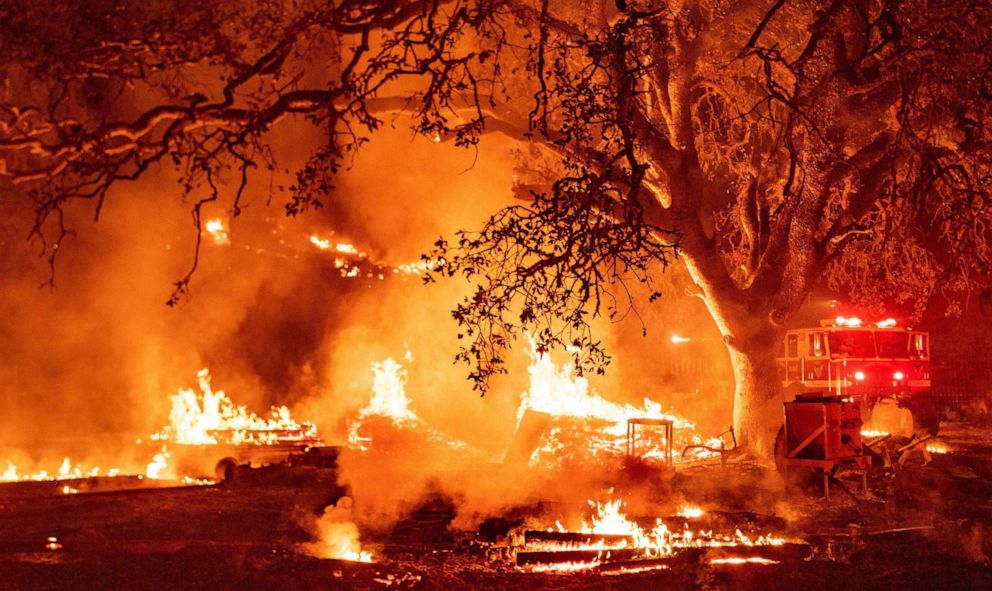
225	469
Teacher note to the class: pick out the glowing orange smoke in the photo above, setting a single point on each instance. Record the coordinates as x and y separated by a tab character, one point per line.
338	536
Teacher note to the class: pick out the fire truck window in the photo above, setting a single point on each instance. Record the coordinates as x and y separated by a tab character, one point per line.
918	346
793	345
892	344
815	348
852	343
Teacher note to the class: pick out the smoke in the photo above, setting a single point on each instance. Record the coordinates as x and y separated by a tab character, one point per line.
337	536
90	365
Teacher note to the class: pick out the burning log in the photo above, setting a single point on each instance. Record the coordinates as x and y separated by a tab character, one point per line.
686	557
572	556
569	537
639	557
788	552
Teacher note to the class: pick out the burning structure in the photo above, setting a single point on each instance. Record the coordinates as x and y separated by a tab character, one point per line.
627	170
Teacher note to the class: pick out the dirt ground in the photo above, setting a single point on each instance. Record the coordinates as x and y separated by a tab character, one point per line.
922	527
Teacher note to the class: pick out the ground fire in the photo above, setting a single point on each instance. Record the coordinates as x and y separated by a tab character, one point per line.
495	294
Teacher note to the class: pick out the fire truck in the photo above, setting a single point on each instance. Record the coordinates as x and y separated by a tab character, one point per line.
865	362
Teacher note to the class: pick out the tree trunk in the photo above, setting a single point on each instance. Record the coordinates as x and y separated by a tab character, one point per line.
753	341
758	412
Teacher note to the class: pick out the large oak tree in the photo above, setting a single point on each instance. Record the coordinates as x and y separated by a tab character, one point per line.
768	145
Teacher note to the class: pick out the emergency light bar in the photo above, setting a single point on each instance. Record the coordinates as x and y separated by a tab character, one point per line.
855	322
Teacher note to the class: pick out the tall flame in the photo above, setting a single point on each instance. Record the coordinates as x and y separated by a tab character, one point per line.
557	391
389	392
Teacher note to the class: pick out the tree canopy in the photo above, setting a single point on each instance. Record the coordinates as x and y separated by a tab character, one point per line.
768	144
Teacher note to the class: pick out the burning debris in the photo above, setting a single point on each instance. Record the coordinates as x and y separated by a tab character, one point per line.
211	418
389	408
66	471
612	541
353	262
582	426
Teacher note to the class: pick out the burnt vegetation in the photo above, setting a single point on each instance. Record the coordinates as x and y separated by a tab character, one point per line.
768	145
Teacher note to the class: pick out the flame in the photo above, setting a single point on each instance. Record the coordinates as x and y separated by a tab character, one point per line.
211	416
215	228
389	401
938	447
158	465
349	258
338	536
557	391
740	560
564	567
319	242
872	433
656	541
690	512
389	392
66	471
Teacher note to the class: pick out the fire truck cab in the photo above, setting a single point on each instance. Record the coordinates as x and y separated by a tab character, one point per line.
865	362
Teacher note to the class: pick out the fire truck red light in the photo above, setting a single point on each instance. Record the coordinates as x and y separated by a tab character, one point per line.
859	375
898	375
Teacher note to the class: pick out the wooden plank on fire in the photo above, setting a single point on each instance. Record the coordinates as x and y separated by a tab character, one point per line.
686	556
787	552
552	557
571	537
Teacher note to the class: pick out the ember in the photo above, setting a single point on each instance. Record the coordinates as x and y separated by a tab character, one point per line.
216	230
